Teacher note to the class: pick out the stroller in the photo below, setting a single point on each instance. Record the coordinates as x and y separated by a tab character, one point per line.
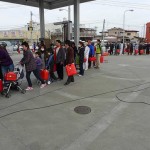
13	80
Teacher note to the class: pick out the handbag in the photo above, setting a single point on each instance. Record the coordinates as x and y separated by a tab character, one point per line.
71	69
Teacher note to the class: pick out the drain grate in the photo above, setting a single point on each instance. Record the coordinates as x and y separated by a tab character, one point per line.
82	110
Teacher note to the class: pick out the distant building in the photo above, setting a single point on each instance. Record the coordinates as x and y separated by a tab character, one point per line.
52	32
117	33
148	32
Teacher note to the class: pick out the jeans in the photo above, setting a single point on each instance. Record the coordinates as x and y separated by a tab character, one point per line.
36	73
6	69
81	69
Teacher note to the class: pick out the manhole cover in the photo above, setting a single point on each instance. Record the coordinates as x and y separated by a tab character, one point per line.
82	110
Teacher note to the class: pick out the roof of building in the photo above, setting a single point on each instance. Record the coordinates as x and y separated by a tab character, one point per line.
48	4
115	29
131	31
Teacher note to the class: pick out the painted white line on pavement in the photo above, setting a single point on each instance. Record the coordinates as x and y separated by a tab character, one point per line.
117	78
67	95
93	132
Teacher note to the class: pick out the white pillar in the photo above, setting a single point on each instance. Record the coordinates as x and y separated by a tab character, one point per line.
42	22
76	21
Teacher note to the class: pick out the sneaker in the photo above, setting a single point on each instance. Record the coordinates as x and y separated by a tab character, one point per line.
80	75
42	86
29	88
49	82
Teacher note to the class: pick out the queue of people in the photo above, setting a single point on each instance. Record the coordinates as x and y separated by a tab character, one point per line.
128	48
53	59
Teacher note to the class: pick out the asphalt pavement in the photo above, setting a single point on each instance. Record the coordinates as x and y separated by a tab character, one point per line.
44	119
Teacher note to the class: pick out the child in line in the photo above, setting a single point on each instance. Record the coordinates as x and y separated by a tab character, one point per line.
38	61
50	66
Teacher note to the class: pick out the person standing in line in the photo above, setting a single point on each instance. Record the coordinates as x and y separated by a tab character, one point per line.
81	58
30	65
38	61
131	48
75	49
5	61
1	76
121	48
59	57
91	53
43	55
50	67
111	48
98	53
147	48
69	59
86	56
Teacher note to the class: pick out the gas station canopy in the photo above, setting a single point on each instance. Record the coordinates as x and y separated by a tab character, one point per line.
48	4
53	4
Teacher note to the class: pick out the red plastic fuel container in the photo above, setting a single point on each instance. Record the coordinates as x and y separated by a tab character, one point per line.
44	74
102	59
1	86
10	76
71	69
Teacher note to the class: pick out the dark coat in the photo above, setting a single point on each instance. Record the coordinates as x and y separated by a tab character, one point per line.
69	55
81	55
5	59
60	56
28	60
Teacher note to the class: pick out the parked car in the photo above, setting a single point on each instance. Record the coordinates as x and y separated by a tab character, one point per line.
8	45
15	48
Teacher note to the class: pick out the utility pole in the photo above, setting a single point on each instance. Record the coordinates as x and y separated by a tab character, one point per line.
30	27
103	32
69	13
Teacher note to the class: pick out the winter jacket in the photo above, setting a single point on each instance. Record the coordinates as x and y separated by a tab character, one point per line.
81	55
38	63
60	57
91	53
5	59
69	55
28	60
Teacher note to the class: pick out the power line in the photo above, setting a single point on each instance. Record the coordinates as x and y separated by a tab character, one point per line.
120	4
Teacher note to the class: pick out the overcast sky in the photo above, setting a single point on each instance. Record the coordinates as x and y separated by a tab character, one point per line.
92	14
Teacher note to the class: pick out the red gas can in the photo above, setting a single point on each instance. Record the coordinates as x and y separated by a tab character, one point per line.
101	59
118	51
44	74
10	76
136	51
71	70
1	86
92	58
142	52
